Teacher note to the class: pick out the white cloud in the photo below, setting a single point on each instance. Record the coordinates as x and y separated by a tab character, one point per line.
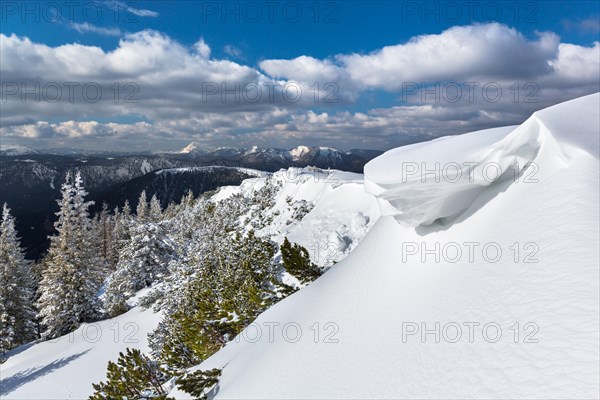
492	51
588	25
232	51
303	69
86	27
178	89
202	48
122	6
576	64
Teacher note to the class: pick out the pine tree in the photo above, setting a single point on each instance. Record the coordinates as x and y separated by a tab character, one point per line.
142	261
231	287
199	382
17	317
297	262
117	235
73	272
155	211
133	377
142	207
103	227
126	211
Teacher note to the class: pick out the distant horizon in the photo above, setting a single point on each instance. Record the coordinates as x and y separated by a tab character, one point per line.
178	150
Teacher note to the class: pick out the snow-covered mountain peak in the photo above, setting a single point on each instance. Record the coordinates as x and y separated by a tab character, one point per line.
15	150
195	148
252	150
299	151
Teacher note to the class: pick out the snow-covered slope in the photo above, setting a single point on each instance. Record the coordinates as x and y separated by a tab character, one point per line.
335	214
66	367
528	318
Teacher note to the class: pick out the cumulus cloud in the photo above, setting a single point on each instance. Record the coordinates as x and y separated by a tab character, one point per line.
202	48
492	51
377	128
183	93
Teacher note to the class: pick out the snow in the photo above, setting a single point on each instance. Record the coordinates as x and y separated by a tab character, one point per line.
33	372
371	310
341	212
190	148
67	366
379	292
146	167
15	150
248	171
298	152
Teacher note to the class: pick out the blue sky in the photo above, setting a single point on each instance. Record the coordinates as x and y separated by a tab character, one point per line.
353	52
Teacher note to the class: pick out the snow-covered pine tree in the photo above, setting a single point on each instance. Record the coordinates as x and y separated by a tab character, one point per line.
116	235
142	207
103	230
133	377
199	382
73	273
297	262
17	316
126	211
231	286
155	211
142	261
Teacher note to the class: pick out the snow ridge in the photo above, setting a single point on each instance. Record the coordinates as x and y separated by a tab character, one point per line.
420	190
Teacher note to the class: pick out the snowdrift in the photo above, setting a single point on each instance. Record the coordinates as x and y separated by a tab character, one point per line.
476	288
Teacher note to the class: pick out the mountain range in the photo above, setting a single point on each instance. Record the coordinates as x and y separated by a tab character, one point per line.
30	179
